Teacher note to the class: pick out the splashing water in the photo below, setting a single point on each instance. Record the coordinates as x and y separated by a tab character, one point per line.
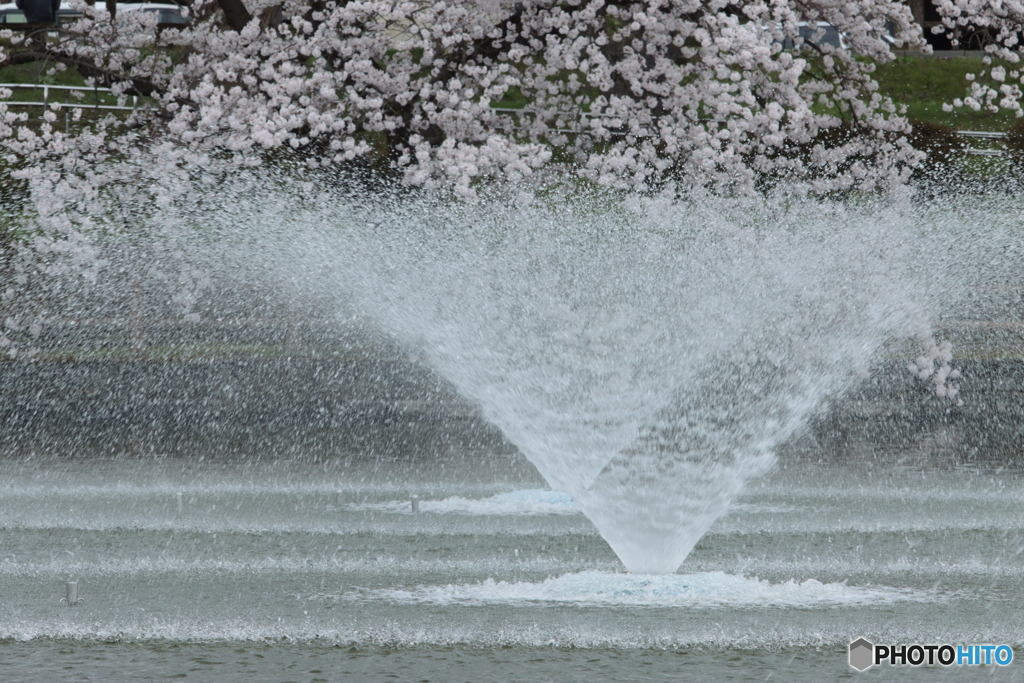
647	357
696	591
526	502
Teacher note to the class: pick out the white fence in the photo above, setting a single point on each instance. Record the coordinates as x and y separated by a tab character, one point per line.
66	96
583	117
983	135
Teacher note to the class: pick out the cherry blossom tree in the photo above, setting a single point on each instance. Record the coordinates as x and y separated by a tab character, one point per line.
998	86
637	94
631	93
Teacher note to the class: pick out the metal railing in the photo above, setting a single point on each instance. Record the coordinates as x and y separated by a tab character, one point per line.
582	116
67	90
983	135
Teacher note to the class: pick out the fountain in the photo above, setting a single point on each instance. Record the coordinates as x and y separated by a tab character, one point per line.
648	357
657	362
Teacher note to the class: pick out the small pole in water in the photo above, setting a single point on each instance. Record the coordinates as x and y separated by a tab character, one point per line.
415	503
180	504
72	598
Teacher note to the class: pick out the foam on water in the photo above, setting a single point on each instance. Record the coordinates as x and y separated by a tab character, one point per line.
760	509
295	566
387	565
697	591
15	487
318	525
524	502
399	634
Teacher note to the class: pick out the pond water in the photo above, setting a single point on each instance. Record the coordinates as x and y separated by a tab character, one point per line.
295	571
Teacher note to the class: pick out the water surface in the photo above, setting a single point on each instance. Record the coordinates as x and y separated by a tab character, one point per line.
296	571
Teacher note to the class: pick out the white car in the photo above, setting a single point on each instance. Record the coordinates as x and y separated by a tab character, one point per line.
166	13
809	31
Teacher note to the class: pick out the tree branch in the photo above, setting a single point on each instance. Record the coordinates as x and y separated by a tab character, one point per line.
235	13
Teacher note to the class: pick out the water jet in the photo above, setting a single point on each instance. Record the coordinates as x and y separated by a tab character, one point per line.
71	599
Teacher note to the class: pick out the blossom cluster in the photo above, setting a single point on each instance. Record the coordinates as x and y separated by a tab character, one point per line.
934	364
632	93
998	85
731	95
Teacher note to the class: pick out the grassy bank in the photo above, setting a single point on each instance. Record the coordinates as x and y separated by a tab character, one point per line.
925	85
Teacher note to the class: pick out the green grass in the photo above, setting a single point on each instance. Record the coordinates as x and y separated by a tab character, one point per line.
924	85
37	73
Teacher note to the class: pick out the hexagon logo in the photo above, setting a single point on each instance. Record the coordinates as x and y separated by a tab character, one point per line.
862	654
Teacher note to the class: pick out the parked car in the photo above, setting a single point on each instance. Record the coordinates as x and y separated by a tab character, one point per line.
10	14
167	13
809	30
